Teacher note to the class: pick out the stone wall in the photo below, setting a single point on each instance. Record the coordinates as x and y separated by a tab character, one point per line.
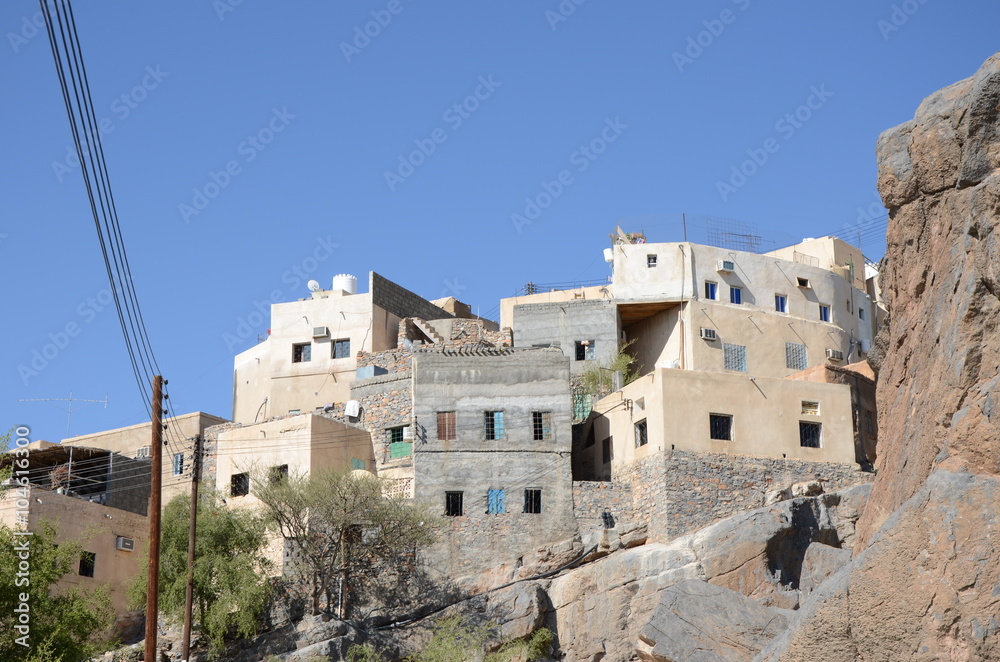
400	301
592	498
677	492
386	402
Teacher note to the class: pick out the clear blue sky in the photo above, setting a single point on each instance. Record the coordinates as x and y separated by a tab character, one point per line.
185	85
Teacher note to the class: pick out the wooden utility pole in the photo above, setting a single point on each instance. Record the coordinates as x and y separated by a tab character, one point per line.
192	527
156	476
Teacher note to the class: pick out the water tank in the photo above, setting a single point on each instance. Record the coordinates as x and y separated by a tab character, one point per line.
346	282
352	409
609	255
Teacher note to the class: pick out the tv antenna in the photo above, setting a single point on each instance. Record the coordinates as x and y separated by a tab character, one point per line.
69	411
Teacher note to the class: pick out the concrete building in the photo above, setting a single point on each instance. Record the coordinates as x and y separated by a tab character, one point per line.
492	450
309	359
133	441
90	495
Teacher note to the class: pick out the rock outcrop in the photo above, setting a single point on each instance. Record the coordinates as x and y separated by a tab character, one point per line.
941	280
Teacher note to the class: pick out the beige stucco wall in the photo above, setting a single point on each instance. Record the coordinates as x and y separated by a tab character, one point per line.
266	371
305	443
766	412
826	253
178	435
575	294
682	270
97	526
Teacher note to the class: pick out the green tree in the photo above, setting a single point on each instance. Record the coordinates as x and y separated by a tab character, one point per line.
599	380
65	624
343	533
231	586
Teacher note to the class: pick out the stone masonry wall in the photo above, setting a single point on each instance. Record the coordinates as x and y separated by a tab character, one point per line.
401	302
592	498
677	492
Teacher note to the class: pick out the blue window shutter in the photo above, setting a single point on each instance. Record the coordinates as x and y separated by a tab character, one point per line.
502	500
496	502
498	424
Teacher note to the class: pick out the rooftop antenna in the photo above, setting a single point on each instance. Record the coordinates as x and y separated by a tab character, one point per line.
70	410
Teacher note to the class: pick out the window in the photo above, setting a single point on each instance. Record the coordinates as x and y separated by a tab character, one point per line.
796	356
496	502
651	261
87	562
453	504
810	434
607	451
277	474
533	501
735	295
302	352
585	350
239	485
810	408
803	282
861	313
781	303
342	348
541	425
720	426
734	357
178	464
640	433
824	313
711	290
395	435
398	449
493	424
446	425
582	406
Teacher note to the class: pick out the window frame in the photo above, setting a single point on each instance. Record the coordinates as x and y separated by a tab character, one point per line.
491	430
302	352
651	261
340	342
448	431
736	295
541	426
641	430
496	501
533	501
805	437
781	303
794	350
177	464
588	347
88	564
716	419
239	484
740	351
454	501
711	290
824	312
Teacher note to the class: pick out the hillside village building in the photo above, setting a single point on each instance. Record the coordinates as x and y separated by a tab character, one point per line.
748	379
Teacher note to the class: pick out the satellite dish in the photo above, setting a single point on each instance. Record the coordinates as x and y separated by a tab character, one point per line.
313	285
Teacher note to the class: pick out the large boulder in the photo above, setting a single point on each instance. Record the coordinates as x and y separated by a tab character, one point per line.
698	622
926	588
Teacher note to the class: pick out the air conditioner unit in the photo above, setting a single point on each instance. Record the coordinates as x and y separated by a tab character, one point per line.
834	355
725	265
408	433
142	453
125	544
320	332
708	334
